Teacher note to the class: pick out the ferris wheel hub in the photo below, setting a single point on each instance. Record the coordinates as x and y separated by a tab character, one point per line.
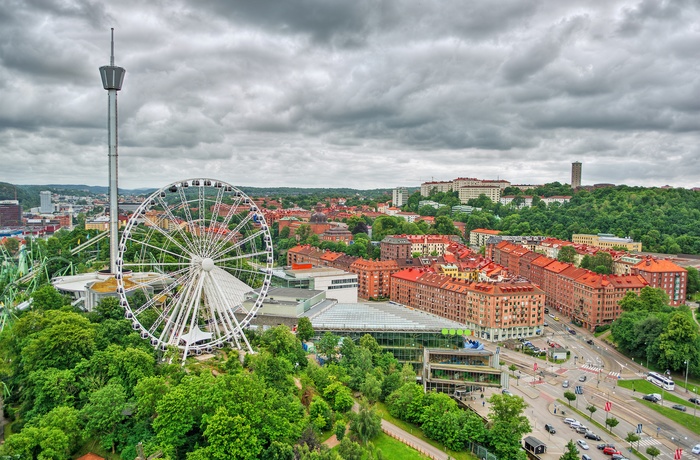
207	264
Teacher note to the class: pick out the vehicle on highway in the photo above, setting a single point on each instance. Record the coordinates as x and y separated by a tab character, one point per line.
652	397
583	444
569	421
565	384
694	400
589	341
680	407
696	449
591	435
610	450
549	428
661	380
583	378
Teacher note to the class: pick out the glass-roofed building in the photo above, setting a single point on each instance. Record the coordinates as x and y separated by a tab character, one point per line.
401	330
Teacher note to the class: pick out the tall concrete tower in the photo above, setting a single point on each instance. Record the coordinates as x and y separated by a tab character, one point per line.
112	79
575	175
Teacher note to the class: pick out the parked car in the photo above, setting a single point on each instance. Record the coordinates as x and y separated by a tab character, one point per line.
583	444
545	324
619	457
549	428
582	378
585	457
680	407
506	392
546	310
694	400
651	398
565	384
569	421
696	449
603	446
582	429
610	450
592	436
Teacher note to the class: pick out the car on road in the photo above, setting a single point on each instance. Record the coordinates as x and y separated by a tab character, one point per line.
546	324
581	429
696	449
506	392
565	384
608	450
572	332
546	310
550	429
651	397
619	457
583	444
550	315
593	436
589	341
583	378
603	446
569	421
680	407
694	400
556	318
585	457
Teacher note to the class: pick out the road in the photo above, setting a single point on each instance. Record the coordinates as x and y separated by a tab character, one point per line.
601	364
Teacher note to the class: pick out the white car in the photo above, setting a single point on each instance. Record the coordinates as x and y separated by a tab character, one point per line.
569	421
696	449
583	444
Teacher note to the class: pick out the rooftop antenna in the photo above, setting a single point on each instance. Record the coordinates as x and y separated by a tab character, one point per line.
112	79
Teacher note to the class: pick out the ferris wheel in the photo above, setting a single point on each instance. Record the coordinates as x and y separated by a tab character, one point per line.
194	266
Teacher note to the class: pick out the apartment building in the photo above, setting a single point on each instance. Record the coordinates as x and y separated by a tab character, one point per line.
492	192
479	236
666	275
606	240
493	311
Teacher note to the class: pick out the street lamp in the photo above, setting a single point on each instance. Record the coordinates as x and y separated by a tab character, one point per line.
687	363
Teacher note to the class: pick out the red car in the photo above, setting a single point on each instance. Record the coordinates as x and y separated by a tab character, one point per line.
610	451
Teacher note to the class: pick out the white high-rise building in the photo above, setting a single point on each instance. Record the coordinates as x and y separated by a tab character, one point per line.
45	206
399	197
575	175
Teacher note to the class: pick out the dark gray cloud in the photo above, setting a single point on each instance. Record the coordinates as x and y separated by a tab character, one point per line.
361	94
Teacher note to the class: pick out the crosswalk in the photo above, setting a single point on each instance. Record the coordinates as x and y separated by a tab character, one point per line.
614	375
648	441
591	368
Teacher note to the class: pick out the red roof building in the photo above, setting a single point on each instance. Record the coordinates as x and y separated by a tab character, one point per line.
664	274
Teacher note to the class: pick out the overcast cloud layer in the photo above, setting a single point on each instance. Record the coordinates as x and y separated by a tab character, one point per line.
361	93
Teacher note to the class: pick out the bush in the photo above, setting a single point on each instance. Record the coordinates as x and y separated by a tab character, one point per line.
602	328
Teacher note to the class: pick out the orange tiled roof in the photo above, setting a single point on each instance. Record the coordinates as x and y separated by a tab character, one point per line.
486	230
651	264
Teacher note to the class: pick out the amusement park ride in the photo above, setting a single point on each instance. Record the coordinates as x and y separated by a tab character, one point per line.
191	270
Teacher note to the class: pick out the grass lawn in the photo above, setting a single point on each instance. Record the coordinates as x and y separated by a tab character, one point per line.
683	418
645	387
417	432
393	448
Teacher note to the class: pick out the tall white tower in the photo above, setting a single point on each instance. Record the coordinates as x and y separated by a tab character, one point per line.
112	79
575	175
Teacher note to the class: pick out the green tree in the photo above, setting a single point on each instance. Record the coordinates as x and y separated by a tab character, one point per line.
571	452
693	283
371	388
305	331
148	393
339	430
570	396
592	409
328	346
103	413
678	343
653	451
567	254
366	423
350	450
339	396
281	342
320	409
406	403
48	298
611	422
632	437
507	425
229	437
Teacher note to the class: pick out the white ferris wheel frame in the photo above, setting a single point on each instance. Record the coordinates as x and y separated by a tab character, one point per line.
201	286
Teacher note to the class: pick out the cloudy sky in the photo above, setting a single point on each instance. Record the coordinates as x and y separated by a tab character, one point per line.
361	93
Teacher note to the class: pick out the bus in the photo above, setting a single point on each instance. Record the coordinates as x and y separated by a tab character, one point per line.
661	380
